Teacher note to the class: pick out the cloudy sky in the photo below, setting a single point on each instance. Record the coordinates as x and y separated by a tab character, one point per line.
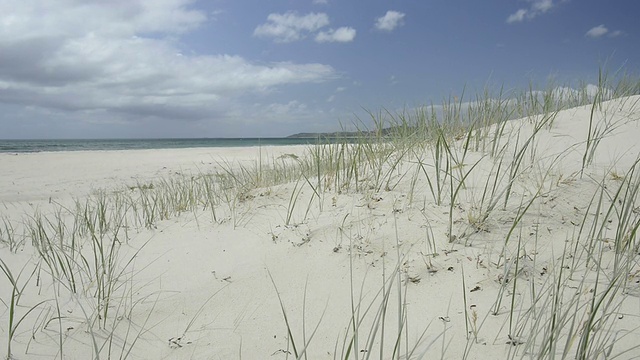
255	68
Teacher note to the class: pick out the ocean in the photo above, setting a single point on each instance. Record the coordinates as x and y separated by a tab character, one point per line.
29	146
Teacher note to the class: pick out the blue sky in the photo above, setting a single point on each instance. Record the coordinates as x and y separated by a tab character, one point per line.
255	68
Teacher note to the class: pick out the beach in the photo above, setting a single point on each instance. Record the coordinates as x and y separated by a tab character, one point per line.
38	176
511	241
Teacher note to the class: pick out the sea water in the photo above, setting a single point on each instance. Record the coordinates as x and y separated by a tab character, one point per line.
22	146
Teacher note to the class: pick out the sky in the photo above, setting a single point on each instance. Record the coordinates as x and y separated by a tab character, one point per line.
256	68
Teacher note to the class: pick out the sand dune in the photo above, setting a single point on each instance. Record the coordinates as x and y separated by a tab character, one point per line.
530	252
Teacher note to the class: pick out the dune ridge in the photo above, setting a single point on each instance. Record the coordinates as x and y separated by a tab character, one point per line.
493	239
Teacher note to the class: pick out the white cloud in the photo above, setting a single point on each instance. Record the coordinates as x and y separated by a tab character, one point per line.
320	2
517	16
588	92
542	5
537	7
390	21
600	31
338	90
290	26
88	58
215	14
597	31
574	95
26	19
343	34
283	109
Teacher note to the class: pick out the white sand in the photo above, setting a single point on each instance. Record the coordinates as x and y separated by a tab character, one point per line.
357	238
38	176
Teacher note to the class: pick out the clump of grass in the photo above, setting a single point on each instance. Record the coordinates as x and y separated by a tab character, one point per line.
16	289
9	237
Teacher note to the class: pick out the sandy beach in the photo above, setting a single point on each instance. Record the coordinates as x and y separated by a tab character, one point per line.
521	245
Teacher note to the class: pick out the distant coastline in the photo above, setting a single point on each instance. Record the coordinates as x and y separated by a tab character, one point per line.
348	134
331	135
